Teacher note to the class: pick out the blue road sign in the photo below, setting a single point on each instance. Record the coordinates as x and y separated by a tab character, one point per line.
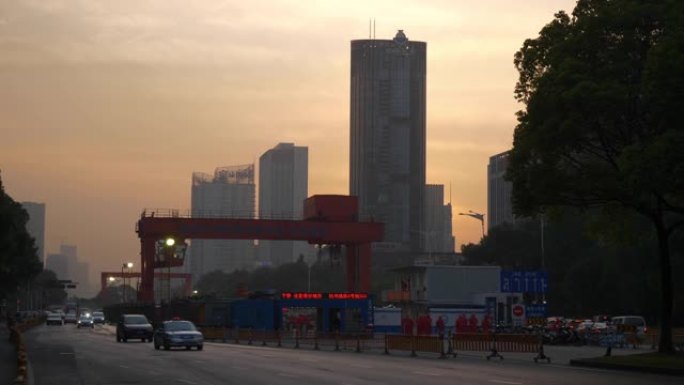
524	281
535	311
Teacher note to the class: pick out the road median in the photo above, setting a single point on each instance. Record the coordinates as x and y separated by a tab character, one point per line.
646	363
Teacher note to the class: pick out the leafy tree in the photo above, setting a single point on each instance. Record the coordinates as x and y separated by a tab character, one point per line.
18	254
603	89
48	285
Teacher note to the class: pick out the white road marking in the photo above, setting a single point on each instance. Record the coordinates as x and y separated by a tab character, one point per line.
309	359
505	382
426	373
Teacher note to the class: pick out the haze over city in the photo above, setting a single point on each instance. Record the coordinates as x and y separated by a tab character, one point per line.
109	107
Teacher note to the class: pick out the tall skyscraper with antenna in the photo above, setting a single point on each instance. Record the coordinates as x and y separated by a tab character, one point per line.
387	136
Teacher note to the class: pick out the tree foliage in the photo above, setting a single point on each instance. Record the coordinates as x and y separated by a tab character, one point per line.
603	89
18	254
591	270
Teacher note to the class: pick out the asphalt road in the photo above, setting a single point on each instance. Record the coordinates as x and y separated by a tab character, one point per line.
66	355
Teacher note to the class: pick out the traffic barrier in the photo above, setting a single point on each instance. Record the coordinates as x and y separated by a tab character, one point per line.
498	343
425	344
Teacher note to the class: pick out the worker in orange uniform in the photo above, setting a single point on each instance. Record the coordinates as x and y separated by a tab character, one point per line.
473	323
487	324
440	327
461	324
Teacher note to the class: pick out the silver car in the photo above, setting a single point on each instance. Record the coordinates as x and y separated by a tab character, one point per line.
178	333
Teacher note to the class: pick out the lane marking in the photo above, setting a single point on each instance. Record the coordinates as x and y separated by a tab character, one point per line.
427	373
361	366
505	382
309	359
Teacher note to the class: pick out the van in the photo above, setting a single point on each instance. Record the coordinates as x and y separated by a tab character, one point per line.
632	320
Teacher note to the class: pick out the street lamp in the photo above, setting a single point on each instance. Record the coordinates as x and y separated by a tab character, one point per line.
478	216
127	265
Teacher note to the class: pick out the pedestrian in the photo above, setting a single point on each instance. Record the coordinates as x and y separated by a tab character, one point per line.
440	327
473	323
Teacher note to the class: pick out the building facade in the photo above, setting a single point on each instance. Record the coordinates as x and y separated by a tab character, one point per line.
387	136
499	204
438	233
283	187
228	193
36	226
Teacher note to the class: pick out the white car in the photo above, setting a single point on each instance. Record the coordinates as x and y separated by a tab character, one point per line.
70	317
54	319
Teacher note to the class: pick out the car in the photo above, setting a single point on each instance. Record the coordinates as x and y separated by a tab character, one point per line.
54	319
634	322
98	317
178	333
133	326
70	317
85	322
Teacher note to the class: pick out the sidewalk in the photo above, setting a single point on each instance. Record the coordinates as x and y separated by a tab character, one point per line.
8	357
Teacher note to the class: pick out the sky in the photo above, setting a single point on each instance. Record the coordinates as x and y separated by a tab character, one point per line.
108	107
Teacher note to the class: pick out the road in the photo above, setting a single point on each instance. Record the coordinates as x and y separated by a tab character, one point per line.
67	355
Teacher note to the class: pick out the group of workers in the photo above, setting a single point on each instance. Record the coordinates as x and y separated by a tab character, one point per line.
423	325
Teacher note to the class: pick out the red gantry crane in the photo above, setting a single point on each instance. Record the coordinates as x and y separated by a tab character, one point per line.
328	220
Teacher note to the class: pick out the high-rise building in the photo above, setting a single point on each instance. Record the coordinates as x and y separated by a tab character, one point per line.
36	225
59	264
76	270
283	187
499	207
387	144
229	193
438	231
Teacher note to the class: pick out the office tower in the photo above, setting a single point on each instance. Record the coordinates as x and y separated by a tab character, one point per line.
59	264
76	270
499	206
229	193
283	187
387	144
36	226
438	231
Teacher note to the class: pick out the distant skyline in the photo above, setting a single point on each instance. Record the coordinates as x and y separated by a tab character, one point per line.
109	107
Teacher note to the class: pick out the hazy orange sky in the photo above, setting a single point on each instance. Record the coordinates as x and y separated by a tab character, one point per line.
107	107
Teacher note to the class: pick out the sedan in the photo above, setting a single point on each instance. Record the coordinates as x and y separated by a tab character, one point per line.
54	319
85	322
178	333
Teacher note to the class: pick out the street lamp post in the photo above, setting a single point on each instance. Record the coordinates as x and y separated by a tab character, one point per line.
127	265
478	216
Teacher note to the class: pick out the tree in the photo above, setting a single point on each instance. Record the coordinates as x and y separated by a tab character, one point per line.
18	254
603	89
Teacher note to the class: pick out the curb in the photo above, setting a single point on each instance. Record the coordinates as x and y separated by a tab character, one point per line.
588	363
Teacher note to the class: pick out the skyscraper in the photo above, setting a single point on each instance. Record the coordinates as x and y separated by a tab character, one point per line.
36	225
229	193
438	232
499	207
387	144
283	187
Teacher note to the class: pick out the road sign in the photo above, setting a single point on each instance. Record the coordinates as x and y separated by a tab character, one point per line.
535	311
524	281
518	315
518	310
